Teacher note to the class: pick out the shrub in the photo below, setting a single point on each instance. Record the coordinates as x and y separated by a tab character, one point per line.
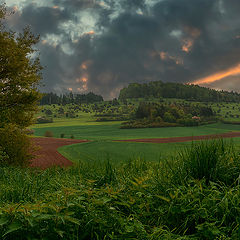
72	137
15	146
168	117
61	110
213	160
188	122
48	134
29	131
44	120
3	157
62	135
146	123
71	114
48	112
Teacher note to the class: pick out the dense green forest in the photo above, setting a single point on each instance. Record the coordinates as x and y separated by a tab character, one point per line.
160	89
53	98
149	114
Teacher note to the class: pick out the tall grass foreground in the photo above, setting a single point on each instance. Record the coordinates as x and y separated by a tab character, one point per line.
195	195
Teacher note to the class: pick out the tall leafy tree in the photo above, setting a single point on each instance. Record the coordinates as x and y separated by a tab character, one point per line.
20	73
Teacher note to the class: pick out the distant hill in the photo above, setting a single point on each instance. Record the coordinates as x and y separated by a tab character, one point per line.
159	89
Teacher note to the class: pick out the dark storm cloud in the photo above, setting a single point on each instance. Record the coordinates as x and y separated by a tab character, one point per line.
194	13
76	4
171	40
133	5
51	58
42	20
132	47
124	49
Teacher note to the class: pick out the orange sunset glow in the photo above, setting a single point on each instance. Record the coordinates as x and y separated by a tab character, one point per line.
84	66
187	45
90	32
220	75
84	79
166	56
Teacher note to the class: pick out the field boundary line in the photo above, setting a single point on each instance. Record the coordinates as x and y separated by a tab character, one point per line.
183	139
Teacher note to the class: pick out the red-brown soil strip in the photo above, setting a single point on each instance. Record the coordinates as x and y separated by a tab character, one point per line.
183	139
47	155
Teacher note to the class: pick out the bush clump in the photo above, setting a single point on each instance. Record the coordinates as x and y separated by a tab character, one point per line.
44	120
213	160
48	134
15	146
3	157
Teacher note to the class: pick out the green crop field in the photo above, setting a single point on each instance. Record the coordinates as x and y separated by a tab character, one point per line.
101	134
118	152
84	119
112	131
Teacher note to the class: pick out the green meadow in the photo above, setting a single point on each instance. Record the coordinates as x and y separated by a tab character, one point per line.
118	152
103	136
111	130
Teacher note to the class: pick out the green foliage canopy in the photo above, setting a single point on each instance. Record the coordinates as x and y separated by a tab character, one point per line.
19	75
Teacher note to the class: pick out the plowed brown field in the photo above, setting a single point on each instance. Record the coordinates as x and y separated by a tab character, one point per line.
47	155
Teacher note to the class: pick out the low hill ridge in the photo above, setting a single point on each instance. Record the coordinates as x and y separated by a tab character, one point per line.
159	89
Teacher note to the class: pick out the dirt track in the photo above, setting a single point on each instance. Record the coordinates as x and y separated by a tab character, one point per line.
184	139
47	154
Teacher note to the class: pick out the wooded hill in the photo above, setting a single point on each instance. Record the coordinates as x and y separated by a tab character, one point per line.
159	89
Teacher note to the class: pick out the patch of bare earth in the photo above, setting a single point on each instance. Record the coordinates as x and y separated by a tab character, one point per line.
47	155
184	139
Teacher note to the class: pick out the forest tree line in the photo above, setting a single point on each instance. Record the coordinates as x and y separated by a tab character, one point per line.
63	99
158	89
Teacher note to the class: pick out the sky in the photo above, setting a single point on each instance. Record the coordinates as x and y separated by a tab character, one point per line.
103	45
